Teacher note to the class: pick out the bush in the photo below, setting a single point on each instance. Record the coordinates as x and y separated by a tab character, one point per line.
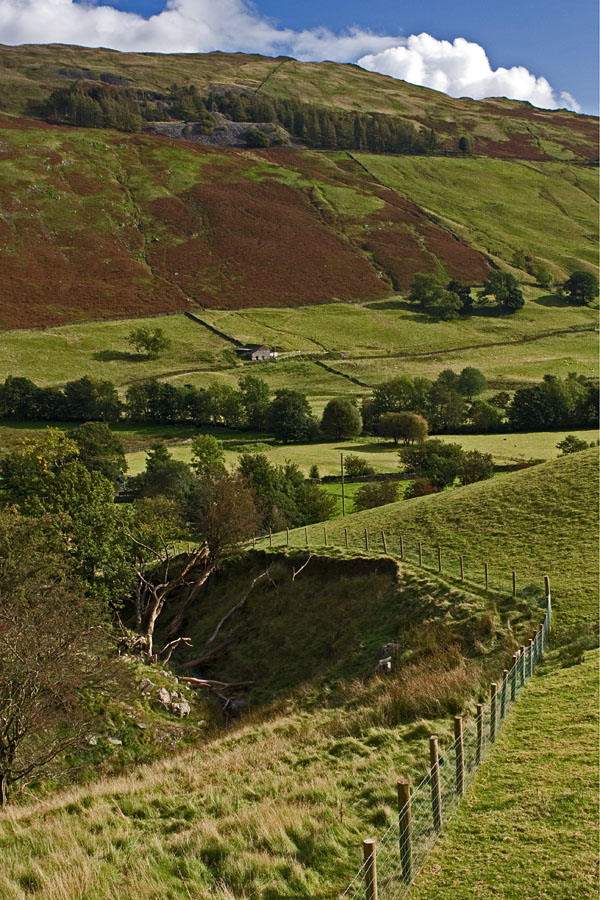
420	487
256	138
355	466
377	494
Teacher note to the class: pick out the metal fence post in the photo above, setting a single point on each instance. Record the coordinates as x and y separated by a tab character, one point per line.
366	538
370	857
503	695
405	829
325	535
548	600
487	575
460	755
401	547
531	657
384	542
306	535
479	734
346	537
436	792
420	553
462	568
514	579
270	538
439	553
513	678
493	693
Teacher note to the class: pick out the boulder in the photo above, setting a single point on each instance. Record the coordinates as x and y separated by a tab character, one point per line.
163	696
115	742
388	650
180	709
146	685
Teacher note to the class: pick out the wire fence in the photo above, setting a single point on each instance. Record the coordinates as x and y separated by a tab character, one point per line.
392	862
405	548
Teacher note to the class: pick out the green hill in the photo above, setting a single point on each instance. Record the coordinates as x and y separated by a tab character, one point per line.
539	521
96	223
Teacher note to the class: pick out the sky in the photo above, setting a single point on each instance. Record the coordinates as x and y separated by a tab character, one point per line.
544	51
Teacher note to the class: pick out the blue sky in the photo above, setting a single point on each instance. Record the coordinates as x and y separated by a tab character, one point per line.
544	51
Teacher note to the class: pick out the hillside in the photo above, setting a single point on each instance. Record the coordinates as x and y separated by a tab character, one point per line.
496	127
96	223
533	836
276	806
539	521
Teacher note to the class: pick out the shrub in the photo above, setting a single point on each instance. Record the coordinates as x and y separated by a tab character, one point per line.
377	494
355	466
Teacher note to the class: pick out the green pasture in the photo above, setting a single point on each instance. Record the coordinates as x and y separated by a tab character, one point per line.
384	327
505	366
100	350
382	455
546	210
539	521
528	826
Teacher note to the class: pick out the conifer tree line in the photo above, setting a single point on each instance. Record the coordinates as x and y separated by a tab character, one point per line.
93	105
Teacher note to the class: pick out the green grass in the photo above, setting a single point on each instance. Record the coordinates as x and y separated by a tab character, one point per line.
528	825
539	521
549	210
278	805
390	326
100	350
382	455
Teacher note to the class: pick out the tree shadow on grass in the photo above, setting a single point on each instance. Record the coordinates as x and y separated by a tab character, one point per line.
383	447
550	300
119	356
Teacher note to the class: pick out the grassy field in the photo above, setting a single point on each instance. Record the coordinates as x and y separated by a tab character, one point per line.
382	455
479	198
528	824
539	521
277	806
386	327
100	350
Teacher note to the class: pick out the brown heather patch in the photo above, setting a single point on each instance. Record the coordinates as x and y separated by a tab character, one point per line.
460	260
270	247
400	254
172	212
83	185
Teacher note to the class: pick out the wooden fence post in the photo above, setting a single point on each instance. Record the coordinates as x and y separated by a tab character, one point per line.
346	537
493	694
370	857
401	547
384	542
439	552
462	568
522	666
514	578
366	538
436	793
420	553
479	734
548	600
503	695
487	575
460	755
325	535
405	829
513	677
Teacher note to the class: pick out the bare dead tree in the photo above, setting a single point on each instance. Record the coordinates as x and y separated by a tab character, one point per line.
153	590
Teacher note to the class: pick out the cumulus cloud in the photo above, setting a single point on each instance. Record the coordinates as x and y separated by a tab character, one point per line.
461	68
458	68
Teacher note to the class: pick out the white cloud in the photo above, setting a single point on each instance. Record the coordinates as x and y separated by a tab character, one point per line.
459	68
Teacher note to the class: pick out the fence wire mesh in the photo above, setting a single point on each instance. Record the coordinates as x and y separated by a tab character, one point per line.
393	862
402	547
